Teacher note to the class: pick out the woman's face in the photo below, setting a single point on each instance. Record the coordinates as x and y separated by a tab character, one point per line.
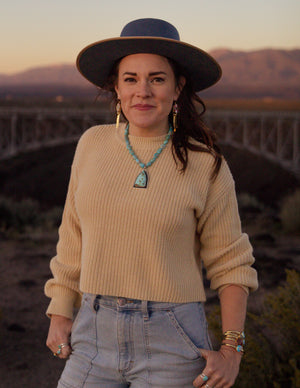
147	87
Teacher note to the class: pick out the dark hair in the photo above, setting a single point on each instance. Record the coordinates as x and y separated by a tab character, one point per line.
191	125
189	119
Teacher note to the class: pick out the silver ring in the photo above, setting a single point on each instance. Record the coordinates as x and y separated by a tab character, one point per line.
204	377
63	345
60	347
206	386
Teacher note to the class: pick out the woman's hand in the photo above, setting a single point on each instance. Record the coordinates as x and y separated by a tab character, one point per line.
222	368
58	340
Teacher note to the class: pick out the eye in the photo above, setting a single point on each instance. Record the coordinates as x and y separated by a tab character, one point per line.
129	79
157	80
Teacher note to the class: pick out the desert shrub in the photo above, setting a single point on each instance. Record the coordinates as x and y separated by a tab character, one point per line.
253	372
18	216
249	207
52	218
290	213
281	316
27	214
248	201
257	368
273	339
7	213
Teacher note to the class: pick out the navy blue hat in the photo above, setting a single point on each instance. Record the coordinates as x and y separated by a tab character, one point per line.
152	36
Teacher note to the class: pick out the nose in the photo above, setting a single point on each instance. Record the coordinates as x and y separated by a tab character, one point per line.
144	89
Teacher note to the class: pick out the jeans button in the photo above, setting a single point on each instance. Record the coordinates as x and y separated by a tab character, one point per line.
96	304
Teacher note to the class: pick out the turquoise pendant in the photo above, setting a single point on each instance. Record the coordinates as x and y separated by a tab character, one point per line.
141	181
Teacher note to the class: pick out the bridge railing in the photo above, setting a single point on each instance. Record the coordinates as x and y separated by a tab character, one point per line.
24	130
275	135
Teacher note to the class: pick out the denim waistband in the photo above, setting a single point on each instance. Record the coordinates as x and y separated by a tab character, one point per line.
116	302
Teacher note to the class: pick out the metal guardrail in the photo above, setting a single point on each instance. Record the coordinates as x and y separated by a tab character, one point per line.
274	135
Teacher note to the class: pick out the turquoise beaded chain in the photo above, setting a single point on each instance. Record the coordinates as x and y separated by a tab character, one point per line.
142	179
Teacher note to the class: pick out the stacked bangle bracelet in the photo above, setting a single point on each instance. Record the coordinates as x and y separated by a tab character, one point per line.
235	340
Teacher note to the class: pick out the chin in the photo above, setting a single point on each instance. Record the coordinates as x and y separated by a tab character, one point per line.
147	124
144	120
142	124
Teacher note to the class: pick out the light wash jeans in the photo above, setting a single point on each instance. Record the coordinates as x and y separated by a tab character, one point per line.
119	343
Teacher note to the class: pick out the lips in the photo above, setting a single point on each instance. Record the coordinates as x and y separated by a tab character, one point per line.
143	107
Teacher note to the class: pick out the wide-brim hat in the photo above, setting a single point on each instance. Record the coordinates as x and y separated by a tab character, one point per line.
152	36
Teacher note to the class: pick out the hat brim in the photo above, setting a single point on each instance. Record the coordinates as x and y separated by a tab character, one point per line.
95	61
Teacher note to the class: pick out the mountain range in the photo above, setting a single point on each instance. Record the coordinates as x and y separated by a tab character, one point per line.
261	73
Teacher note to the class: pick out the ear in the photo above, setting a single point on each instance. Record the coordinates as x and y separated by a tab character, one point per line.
179	86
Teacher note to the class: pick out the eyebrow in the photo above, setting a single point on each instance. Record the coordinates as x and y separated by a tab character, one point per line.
151	74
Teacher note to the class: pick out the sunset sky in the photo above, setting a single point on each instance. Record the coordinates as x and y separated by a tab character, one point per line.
39	32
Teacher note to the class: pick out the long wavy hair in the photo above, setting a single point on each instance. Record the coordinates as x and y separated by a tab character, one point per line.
189	119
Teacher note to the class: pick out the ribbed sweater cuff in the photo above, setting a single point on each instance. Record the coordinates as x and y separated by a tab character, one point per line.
61	306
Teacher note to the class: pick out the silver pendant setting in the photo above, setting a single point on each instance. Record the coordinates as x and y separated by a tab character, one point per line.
141	181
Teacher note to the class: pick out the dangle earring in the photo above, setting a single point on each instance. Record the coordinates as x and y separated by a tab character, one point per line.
175	113
118	111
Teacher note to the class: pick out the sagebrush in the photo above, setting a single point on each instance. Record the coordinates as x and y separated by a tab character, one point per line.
272	354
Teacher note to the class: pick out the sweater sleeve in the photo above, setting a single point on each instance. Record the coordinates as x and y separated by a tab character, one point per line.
63	288
226	251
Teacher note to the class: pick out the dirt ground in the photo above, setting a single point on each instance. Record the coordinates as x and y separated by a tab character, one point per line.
25	361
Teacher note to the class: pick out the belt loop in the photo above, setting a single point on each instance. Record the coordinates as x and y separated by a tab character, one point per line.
145	310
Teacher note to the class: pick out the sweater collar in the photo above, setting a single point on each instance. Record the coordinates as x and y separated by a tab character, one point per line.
139	141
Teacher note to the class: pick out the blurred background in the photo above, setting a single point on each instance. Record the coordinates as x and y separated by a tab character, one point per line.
45	105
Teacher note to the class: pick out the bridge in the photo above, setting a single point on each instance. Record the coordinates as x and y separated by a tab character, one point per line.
274	135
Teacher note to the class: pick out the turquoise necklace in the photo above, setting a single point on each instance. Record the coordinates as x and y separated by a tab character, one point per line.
141	181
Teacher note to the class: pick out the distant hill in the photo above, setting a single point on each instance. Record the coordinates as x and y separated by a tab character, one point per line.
262	73
56	74
262	67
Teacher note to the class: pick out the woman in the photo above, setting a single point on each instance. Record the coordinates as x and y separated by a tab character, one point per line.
149	202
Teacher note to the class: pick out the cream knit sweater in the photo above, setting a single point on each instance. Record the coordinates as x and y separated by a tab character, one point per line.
145	243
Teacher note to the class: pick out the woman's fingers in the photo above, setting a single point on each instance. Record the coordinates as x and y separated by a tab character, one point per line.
63	350
201	380
58	339
220	371
205	353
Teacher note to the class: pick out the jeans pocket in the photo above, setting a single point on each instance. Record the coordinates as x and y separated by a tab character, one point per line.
81	321
190	322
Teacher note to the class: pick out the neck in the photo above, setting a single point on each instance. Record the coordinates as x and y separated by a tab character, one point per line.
149	131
